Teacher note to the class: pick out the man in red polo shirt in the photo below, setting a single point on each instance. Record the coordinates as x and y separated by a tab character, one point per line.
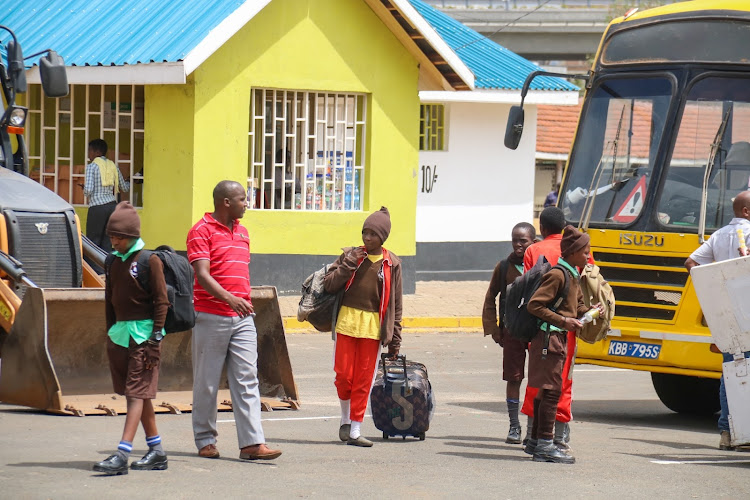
551	224
218	247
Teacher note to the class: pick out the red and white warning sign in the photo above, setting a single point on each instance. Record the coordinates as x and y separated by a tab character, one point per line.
633	204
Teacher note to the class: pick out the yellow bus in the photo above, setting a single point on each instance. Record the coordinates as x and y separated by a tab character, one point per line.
661	149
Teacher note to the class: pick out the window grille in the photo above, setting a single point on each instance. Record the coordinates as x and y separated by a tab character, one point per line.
306	150
432	127
58	132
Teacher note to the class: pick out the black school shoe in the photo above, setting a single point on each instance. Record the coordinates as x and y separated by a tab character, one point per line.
551	453
114	465
151	461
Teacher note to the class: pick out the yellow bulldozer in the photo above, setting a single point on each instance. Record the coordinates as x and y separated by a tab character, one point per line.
52	325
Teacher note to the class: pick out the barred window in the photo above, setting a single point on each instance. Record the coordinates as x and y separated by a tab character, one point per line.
306	150
58	132
432	127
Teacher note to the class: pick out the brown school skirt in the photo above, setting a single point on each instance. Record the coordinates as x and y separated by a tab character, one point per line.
547	373
135	369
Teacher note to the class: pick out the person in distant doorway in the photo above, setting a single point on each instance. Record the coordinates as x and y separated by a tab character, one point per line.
551	199
102	183
514	351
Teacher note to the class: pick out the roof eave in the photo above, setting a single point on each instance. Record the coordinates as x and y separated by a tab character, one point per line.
222	33
436	41
127	74
557	97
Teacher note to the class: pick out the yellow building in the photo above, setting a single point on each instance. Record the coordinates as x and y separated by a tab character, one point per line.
313	104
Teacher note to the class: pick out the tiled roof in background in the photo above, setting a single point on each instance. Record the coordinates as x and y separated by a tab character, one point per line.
556	126
494	66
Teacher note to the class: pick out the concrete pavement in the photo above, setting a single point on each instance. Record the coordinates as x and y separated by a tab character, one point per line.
436	305
627	444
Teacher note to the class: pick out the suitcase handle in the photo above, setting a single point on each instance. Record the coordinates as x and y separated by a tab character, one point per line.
384	358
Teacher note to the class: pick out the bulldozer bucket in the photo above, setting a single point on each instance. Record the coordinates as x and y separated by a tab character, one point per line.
55	357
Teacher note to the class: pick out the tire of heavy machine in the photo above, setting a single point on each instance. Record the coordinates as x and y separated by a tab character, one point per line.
689	395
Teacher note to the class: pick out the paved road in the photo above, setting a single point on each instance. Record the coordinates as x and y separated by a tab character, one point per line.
626	443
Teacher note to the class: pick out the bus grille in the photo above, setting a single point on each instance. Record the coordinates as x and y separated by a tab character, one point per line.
652	290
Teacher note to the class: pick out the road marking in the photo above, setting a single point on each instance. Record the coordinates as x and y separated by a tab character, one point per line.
701	462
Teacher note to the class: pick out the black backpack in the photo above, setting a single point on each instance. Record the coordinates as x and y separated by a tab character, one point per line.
520	322
178	273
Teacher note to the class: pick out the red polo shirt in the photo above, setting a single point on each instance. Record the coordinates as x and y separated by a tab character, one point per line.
229	255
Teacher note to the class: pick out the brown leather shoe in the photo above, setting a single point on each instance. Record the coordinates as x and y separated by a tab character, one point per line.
259	452
209	451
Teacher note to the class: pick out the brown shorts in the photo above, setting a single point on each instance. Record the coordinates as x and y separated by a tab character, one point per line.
547	373
135	369
514	357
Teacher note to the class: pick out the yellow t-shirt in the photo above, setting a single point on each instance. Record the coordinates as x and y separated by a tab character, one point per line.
357	323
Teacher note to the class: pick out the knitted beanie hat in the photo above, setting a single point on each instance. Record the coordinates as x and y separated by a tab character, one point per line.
572	241
124	221
379	223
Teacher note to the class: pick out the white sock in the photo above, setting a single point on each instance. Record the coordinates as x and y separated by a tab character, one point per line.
345	411
354	432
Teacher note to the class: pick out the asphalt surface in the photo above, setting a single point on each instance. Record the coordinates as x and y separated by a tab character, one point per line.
627	444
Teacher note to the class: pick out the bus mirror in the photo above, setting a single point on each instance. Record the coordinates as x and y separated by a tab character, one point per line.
514	129
52	73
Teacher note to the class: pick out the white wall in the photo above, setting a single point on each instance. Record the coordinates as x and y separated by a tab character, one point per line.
482	188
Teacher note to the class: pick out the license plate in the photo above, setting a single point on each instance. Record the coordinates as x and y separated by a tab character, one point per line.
634	349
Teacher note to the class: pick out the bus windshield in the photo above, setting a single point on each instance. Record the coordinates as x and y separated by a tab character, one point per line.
714	133
619	134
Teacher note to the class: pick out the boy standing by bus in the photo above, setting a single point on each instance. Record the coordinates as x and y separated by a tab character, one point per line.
547	350
514	351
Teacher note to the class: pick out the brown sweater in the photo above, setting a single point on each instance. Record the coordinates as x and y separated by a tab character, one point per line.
364	294
497	286
572	306
340	272
124	298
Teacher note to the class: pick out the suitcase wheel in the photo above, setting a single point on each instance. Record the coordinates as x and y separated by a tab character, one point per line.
421	436
385	435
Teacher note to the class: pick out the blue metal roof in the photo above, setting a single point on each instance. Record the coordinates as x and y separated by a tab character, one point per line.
110	32
494	66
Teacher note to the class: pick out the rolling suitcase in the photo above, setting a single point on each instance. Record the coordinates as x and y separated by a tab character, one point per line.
402	401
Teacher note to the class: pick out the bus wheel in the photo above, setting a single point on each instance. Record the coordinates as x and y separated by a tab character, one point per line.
683	394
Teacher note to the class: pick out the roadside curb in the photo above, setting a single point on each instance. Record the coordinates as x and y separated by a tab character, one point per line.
451	322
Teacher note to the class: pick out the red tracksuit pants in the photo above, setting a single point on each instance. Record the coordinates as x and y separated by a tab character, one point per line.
564	413
355	361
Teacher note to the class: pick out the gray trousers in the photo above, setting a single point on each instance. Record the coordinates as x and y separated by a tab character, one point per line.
232	340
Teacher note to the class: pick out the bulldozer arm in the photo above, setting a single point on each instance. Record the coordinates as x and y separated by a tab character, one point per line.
55	357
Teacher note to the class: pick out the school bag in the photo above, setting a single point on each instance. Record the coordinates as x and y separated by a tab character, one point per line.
518	320
178	274
316	305
596	290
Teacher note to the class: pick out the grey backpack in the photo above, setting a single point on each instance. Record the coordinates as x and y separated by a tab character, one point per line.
316	305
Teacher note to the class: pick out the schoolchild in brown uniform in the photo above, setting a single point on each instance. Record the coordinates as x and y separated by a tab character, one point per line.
545	371
135	321
514	351
369	316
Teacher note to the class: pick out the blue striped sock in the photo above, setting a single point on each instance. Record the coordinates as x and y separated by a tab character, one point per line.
154	443
124	449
